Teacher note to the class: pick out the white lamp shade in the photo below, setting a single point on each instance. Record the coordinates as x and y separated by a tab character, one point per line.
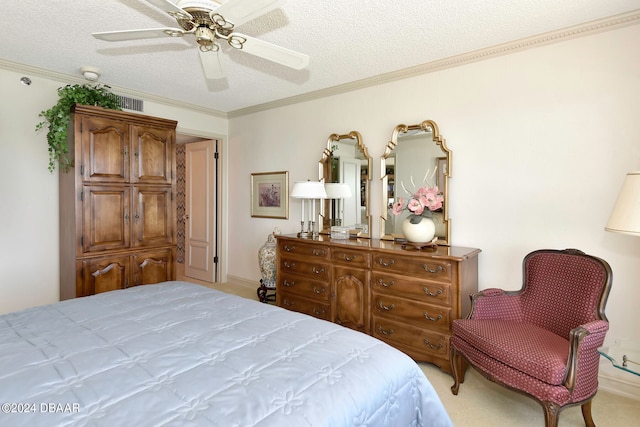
308	190
625	217
337	190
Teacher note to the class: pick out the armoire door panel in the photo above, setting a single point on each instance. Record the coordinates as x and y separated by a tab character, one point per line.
152	216
105	150
152	267
152	156
105	218
103	274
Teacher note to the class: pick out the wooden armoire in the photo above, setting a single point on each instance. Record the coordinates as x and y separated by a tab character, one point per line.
117	204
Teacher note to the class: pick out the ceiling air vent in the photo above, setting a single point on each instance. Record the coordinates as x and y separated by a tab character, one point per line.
127	103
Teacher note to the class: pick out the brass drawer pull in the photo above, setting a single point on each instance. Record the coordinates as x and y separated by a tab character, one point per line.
386	285
318	312
319	290
432	294
430	270
318	270
318	252
385	264
433	319
348	258
289	248
288	303
383	332
385	307
288	264
288	283
433	347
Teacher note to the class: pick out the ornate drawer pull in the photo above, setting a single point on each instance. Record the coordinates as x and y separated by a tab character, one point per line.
288	303
383	332
318	312
432	294
348	258
433	319
319	290
288	283
385	264
386	285
288	264
318	252
430	270
318	270
289	248
385	307
433	347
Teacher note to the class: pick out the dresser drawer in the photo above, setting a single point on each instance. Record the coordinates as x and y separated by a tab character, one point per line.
417	289
290	283
304	250
302	305
351	258
420	341
423	268
311	269
421	315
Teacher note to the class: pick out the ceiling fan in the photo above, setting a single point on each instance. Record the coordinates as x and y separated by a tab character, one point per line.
212	21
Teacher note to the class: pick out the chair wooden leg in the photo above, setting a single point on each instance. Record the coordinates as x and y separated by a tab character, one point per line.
551	413
586	414
458	369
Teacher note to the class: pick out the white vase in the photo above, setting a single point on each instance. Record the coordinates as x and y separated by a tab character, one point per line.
421	232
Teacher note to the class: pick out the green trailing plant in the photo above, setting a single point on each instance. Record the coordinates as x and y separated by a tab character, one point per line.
57	118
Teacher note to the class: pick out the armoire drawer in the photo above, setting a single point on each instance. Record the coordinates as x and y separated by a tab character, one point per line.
310	269
305	250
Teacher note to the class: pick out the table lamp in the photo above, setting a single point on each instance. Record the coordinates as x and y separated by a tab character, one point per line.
308	191
625	217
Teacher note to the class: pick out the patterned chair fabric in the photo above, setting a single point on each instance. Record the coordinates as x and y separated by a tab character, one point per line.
543	339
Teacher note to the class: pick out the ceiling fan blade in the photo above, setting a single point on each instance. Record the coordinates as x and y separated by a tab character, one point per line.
211	66
152	33
240	11
271	52
171	8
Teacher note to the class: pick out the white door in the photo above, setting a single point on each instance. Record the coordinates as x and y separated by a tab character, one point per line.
200	217
350	206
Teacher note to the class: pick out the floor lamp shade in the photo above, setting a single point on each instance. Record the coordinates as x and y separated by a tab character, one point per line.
625	217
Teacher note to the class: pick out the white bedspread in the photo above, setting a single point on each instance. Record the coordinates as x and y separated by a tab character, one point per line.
185	355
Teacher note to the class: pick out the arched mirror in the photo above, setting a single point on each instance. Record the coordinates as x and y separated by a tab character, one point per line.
416	156
346	160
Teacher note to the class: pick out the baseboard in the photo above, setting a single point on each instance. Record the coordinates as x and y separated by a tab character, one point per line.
246	283
618	382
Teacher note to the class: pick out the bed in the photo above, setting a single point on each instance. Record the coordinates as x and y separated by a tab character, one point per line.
176	353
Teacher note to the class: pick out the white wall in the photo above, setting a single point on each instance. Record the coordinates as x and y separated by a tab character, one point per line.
29	272
541	141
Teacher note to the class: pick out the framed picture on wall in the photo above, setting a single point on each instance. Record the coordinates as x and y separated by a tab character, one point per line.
270	195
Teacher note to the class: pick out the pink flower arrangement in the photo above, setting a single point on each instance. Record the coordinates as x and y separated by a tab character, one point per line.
421	204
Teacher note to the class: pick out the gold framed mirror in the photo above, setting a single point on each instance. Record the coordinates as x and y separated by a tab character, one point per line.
416	156
346	160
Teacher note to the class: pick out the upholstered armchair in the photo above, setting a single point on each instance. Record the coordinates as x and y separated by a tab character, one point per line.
543	339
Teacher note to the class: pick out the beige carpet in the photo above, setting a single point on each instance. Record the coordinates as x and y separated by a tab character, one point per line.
481	403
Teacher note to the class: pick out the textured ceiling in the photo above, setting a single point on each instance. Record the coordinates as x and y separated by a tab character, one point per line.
347	40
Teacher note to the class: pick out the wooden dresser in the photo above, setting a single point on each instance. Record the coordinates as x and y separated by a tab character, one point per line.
407	298
117	203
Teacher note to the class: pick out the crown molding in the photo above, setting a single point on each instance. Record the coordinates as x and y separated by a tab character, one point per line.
68	79
581	30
